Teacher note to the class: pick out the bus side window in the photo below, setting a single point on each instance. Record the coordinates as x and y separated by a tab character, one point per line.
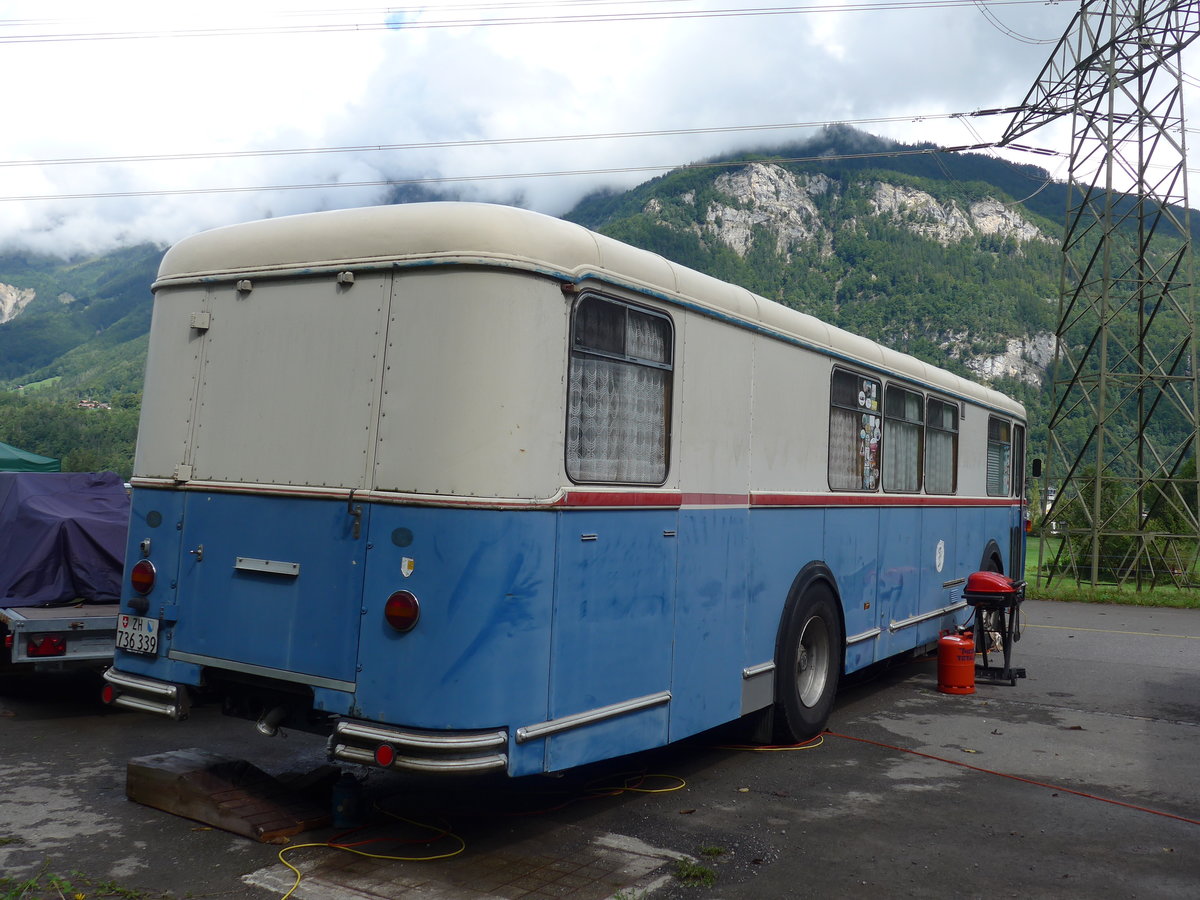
618	393
854	432
999	457
903	425
941	447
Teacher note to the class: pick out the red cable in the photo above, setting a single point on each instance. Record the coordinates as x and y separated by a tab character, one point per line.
1053	787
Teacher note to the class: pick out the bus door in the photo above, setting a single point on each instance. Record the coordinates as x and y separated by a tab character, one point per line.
917	552
851	551
282	424
613	631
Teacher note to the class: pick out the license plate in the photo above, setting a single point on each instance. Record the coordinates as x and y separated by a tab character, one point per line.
137	634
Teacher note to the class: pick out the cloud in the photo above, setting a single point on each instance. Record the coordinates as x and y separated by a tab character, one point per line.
401	80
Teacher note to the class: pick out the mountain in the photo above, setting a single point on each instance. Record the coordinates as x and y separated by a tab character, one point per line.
80	324
923	251
951	257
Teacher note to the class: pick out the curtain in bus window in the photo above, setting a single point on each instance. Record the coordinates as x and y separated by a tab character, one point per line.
648	337
902	440
616	422
941	448
618	394
853	433
902	457
999	452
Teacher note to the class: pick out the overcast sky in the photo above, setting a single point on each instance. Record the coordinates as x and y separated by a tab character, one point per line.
121	79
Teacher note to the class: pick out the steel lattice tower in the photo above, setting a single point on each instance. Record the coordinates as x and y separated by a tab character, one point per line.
1123	434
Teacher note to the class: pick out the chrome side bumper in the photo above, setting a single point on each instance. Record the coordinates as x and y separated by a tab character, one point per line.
420	751
162	698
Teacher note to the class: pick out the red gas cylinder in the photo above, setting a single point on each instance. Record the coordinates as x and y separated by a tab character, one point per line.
956	663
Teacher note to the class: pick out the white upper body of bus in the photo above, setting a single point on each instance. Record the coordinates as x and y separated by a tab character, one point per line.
423	350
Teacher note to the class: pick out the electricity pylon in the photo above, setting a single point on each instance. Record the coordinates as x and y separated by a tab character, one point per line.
1123	437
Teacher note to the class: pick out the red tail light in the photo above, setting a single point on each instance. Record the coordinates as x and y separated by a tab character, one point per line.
402	611
142	576
46	645
385	755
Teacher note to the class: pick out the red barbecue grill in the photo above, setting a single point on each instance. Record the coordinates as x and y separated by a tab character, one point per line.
997	603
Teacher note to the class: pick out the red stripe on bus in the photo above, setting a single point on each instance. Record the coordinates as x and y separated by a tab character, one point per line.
766	499
675	499
664	499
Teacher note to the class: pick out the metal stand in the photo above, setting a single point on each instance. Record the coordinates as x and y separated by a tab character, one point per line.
998	613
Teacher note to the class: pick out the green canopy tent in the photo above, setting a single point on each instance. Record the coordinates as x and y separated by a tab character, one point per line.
14	460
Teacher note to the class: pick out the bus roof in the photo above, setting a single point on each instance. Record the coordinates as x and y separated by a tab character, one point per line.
504	236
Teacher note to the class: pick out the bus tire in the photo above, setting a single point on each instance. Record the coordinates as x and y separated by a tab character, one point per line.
991	558
808	664
987	622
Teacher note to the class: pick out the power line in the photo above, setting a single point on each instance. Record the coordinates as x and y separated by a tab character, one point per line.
94	195
450	179
369	10
480	142
392	24
994	20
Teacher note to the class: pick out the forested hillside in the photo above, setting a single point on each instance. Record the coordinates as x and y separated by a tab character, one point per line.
85	321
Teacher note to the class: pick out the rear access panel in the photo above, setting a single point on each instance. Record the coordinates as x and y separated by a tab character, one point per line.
271	584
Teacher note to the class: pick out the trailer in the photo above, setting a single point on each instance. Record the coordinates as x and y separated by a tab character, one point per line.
60	567
57	637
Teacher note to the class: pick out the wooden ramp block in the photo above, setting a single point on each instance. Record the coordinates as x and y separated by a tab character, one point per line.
226	793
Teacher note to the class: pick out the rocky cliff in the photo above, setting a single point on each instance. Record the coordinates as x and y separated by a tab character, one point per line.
13	300
765	195
803	216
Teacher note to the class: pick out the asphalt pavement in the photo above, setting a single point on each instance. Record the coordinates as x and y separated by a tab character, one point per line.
1082	780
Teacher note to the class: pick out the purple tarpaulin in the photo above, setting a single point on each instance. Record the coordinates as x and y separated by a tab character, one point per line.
62	537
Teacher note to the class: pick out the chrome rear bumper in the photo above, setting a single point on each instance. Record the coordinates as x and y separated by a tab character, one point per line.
420	751
162	698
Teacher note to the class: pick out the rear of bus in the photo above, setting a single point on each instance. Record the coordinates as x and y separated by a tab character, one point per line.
271	565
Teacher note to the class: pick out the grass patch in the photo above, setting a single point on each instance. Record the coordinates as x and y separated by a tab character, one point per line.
1068	591
1062	588
692	874
45	383
46	885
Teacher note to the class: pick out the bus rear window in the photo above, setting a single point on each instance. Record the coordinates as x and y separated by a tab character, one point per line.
618	393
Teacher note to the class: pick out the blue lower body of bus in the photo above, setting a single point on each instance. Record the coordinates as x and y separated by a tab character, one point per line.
546	638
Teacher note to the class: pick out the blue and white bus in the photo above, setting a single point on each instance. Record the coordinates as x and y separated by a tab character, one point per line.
466	487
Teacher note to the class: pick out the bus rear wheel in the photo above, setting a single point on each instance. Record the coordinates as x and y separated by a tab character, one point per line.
808	665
